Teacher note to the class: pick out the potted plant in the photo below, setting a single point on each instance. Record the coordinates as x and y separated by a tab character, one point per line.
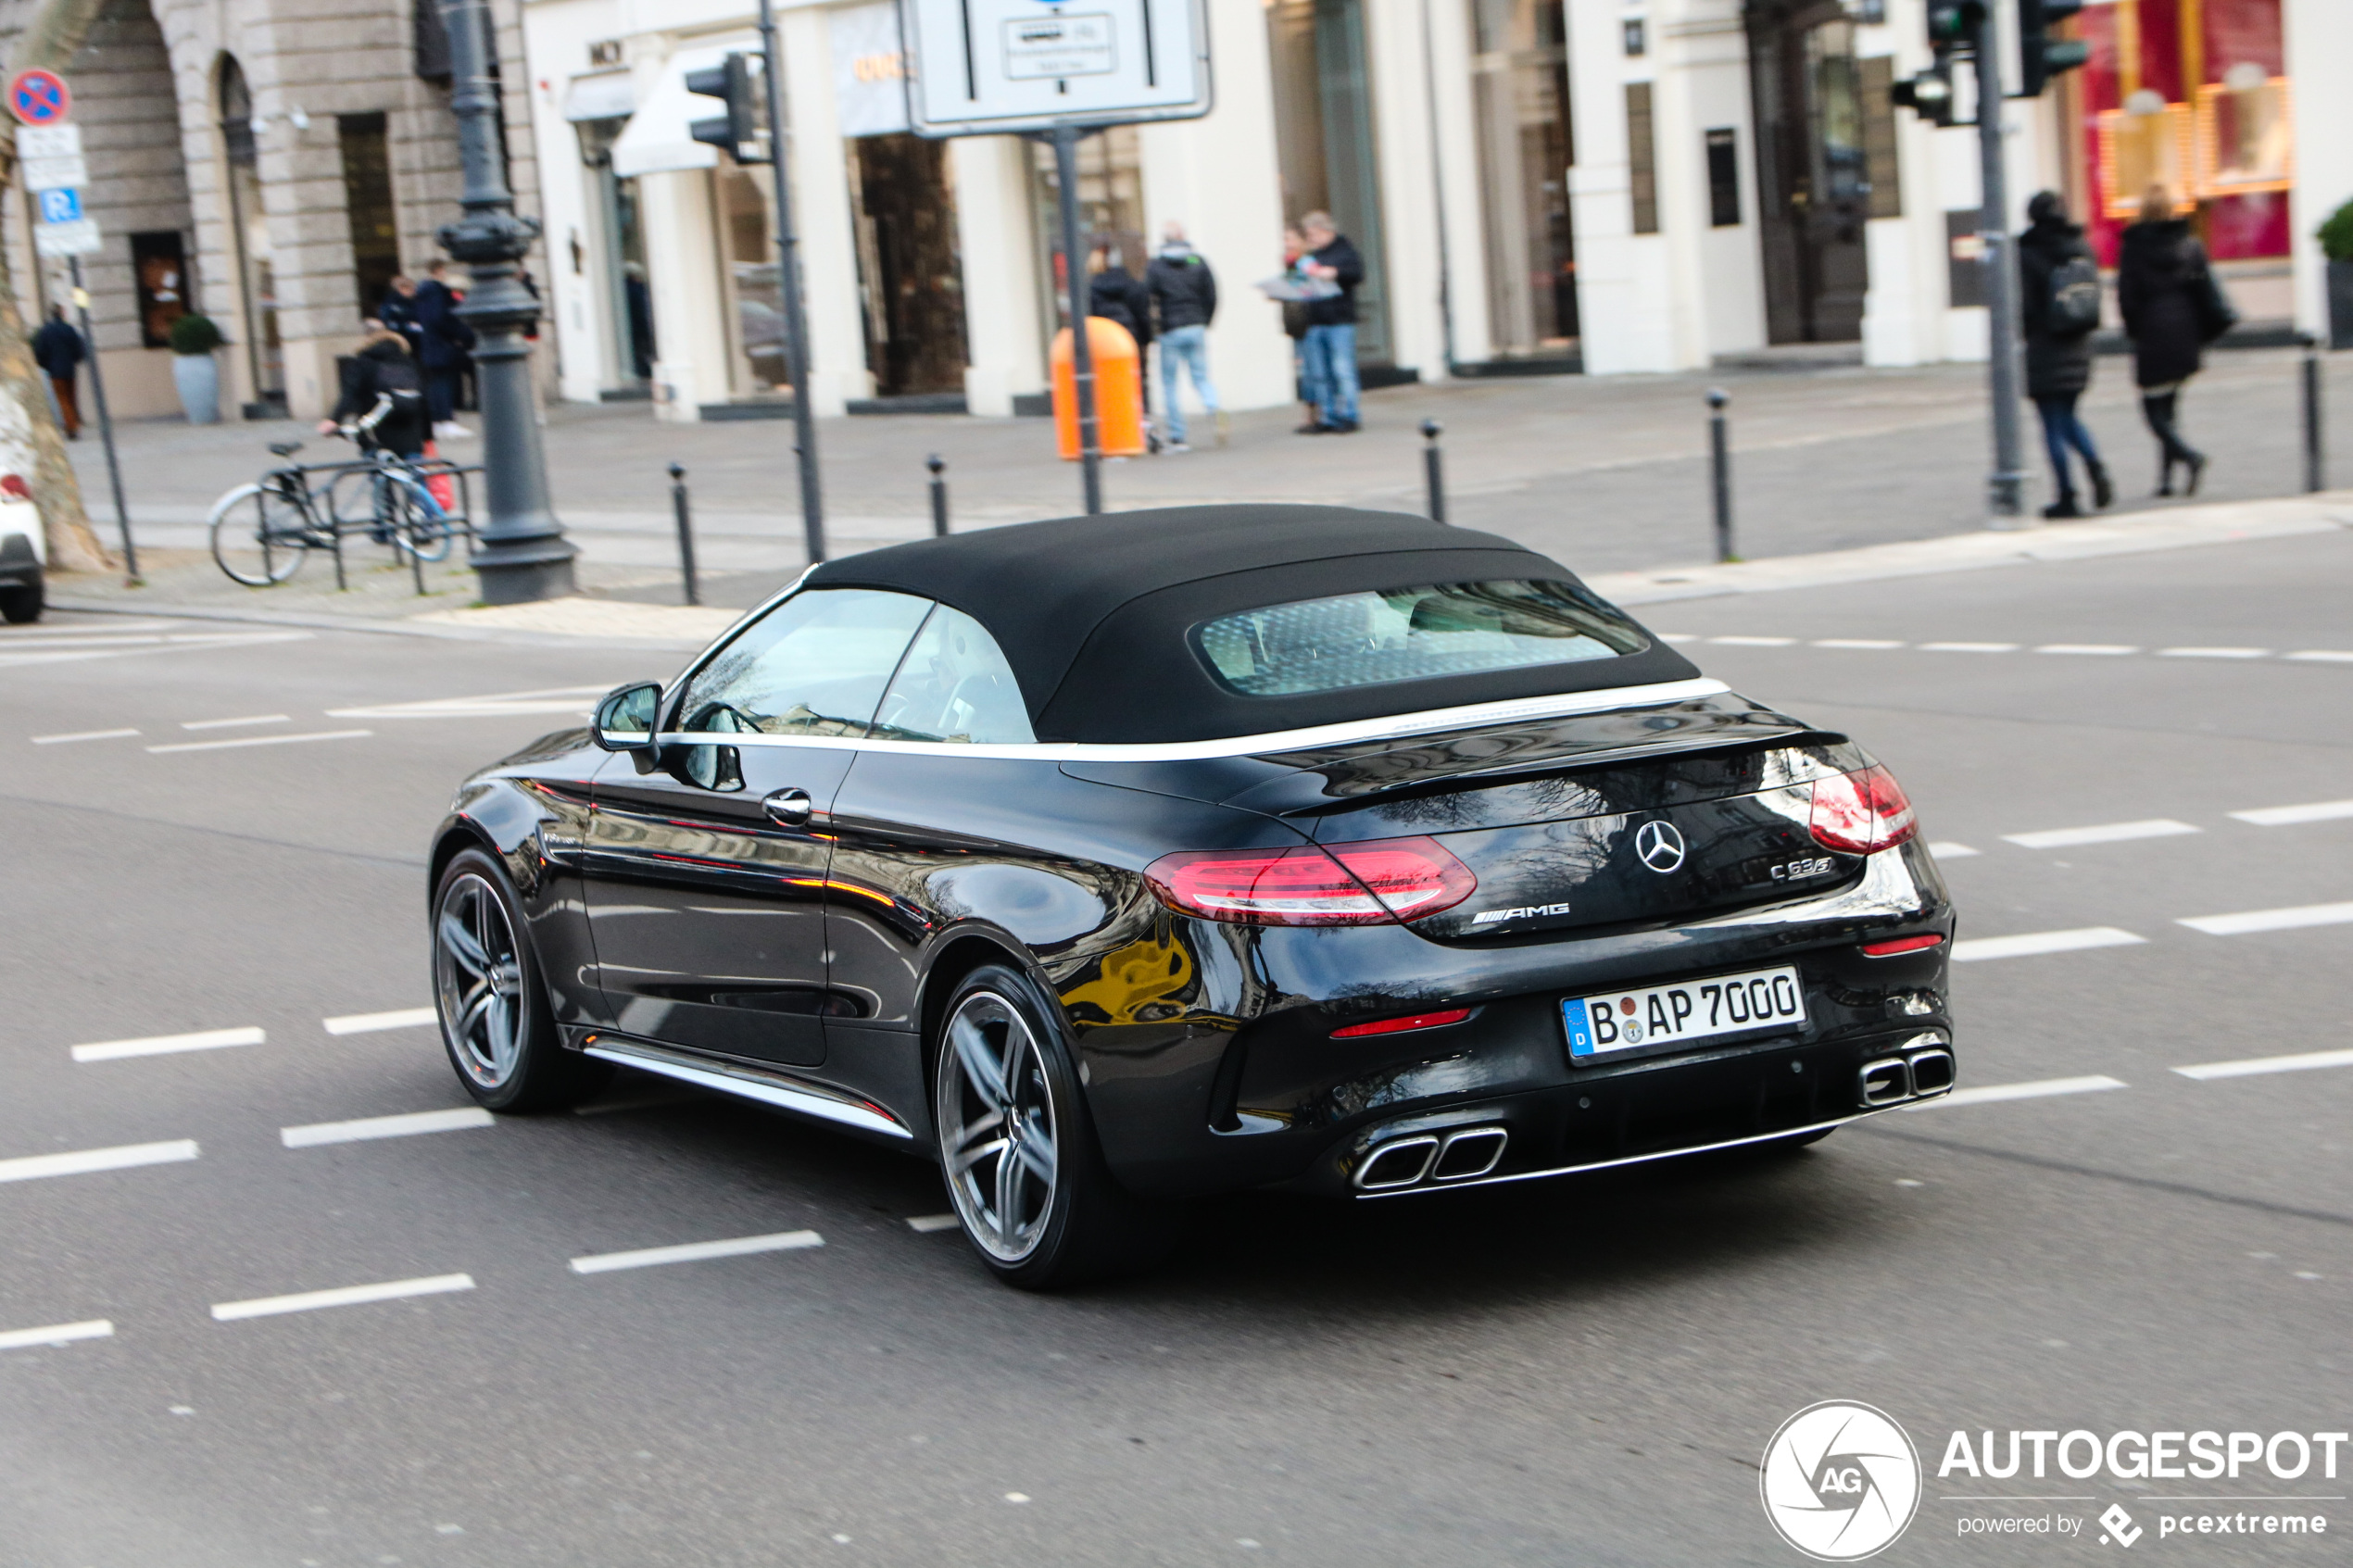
2336	243
193	369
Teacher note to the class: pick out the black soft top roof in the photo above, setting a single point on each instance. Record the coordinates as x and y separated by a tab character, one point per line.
1092	613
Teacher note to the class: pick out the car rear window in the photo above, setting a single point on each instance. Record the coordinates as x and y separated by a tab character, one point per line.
1410	634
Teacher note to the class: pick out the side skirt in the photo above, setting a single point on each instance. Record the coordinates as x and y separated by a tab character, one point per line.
778	1089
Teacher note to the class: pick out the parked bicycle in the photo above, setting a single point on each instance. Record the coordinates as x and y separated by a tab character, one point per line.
261	532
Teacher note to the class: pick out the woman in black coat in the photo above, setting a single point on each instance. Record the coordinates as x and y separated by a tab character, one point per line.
1117	294
2171	309
2059	346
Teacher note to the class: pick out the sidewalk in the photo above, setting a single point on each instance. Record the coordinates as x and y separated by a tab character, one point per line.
1608	475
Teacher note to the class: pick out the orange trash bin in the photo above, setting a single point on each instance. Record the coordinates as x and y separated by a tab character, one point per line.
1119	391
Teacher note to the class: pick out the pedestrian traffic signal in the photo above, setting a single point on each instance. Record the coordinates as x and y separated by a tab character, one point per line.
1954	22
2041	56
738	130
1929	94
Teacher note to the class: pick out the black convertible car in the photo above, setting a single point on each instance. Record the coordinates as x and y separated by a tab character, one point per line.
1119	859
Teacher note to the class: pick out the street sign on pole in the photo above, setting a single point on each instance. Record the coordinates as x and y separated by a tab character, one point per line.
55	173
993	66
39	97
60	207
49	141
80	237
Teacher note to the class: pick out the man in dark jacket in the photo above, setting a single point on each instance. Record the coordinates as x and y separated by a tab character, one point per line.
2171	309
1116	294
2058	344
1329	347
382	371
444	344
397	311
59	351
1185	291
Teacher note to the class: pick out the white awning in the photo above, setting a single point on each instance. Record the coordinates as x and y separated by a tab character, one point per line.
655	140
607	95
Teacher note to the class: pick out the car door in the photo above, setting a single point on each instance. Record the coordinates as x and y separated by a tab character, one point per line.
707	863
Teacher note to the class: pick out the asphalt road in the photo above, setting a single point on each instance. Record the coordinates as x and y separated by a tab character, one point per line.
1575	1372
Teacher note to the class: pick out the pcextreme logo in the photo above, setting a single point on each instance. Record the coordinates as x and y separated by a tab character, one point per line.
1841	1481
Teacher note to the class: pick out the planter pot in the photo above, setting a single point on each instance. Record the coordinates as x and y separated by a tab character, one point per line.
197	376
2341	304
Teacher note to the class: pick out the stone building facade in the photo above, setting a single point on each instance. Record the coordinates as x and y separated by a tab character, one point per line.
270	163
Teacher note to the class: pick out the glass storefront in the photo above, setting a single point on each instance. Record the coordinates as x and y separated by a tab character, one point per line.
1519	83
1111	206
1323	141
911	276
755	301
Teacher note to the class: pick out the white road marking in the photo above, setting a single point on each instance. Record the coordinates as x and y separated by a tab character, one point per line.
1753	641
236	723
1945	849
1969	647
2321	656
2287	816
696	1252
56	1334
2104	832
1972	949
368	1127
2214	653
168	1045
369	1022
2253	920
82	1162
2097	650
2039	1089
2248	1067
347	1296
1679	636
83	734
261	740
925	1224
64	654
570	701
1857	642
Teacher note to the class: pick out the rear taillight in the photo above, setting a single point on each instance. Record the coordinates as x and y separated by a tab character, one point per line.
1367	884
1862	812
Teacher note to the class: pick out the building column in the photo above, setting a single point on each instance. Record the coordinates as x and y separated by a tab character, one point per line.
838	370
1625	302
683	273
1403	137
1460	199
2319	48
1004	340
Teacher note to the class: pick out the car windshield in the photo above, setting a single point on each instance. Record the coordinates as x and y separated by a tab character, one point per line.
1410	634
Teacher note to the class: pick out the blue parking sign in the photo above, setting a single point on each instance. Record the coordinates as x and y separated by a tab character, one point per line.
60	206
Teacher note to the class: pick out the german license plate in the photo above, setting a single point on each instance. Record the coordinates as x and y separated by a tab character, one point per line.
1651	1016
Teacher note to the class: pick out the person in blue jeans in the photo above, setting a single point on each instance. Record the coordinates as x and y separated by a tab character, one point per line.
2058	351
1329	347
1184	293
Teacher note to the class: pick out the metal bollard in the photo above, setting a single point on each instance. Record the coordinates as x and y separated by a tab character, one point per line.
1434	469
686	532
2315	452
1720	459
939	496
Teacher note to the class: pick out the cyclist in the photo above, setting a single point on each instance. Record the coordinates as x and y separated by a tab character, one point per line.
381	370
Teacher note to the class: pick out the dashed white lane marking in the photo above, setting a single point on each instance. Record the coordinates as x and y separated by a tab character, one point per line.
2103	832
236	723
1876	643
2323	656
1753	641
2288	816
368	1127
925	1224
2090	650
2039	1089
63	653
168	1045
569	701
2248	1067
369	1022
1969	647
696	1252
346	1296
1945	849
82	1162
83	734
260	740
56	1334
2253	920
2214	653
1976	948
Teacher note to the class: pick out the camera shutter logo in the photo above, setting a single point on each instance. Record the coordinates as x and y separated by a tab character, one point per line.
1658	846
1841	1481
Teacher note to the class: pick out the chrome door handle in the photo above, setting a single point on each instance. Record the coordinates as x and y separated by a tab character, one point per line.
789	808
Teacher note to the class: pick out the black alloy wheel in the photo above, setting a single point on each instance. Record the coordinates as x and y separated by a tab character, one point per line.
495	1021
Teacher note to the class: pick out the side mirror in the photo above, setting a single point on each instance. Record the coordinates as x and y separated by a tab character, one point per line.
625	719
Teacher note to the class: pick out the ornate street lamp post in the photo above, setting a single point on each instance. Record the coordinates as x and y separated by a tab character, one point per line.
524	555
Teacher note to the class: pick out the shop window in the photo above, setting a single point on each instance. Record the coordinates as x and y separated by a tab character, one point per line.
1111	209
368	207
756	302
1641	158
911	275
1519	85
1323	143
159	271
1723	178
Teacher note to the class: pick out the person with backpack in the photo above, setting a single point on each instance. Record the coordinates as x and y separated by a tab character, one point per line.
2172	309
2059	290
59	351
383	368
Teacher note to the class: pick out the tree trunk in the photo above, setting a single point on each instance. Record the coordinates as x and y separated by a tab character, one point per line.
31	443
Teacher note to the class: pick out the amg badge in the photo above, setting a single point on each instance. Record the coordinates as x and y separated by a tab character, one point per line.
1487	917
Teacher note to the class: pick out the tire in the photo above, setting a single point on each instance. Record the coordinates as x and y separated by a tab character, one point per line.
1041	1209
495	1021
257	535
22	605
424	530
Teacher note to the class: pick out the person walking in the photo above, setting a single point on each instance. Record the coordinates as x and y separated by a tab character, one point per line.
2172	309
397	311
444	344
1329	346
1184	292
2060	298
59	351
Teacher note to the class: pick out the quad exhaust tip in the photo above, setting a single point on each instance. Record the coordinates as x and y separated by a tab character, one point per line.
1920	1074
1458	1156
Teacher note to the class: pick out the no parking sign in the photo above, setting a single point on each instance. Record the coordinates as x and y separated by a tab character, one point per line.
39	97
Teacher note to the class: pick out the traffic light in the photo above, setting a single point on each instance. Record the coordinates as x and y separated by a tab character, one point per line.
1953	23
738	130
2041	56
1929	94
